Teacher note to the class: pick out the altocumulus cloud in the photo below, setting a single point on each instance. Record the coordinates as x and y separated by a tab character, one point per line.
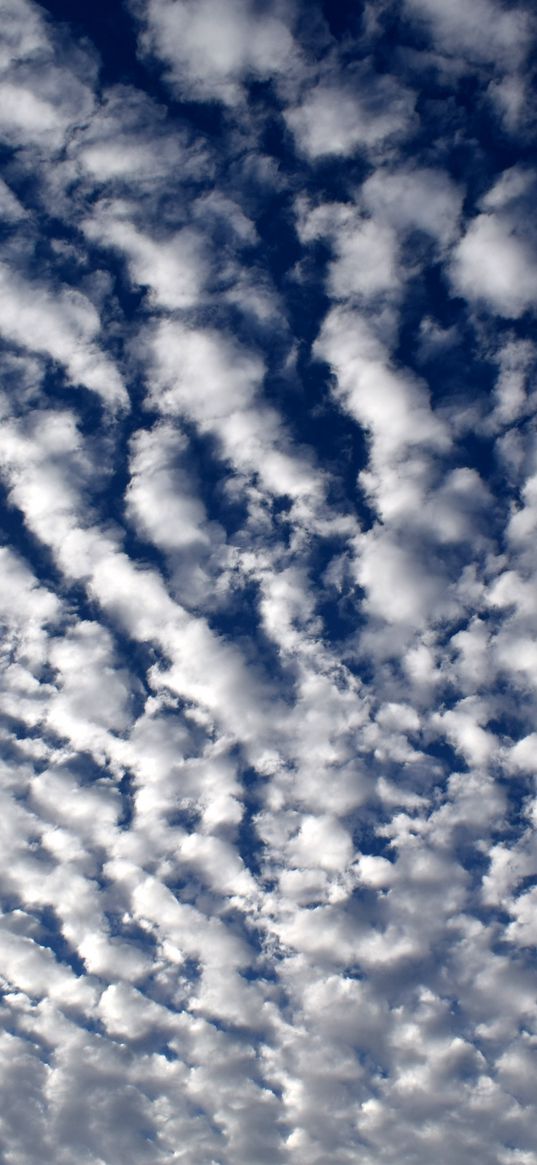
268	457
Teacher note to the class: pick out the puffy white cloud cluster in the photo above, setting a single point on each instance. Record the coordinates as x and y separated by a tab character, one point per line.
268	764
495	262
210	49
338	116
487	32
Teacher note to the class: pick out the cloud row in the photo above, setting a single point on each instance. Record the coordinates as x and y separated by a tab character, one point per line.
269	664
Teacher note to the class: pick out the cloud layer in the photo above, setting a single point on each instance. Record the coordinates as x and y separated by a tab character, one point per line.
267	588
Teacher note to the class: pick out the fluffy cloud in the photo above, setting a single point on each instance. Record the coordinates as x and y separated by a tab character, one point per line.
267	594
494	266
64	326
333	119
43	98
486	32
415	199
210	49
173	268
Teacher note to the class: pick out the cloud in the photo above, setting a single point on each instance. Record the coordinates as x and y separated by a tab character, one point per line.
267	594
173	268
335	119
415	199
128	144
162	498
366	263
201	374
42	98
94	696
393	406
10	207
210	50
62	325
486	32
495	262
396	588
493	266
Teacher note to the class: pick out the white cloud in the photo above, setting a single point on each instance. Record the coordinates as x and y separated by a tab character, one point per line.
10	207
337	120
512	389
162	498
209	49
251	912
397	589
511	97
321	842
367	261
493	265
173	268
485	32
30	968
389	403
415	199
41	99
463	725
127	144
523	930
523	755
22	600
62	325
202	375
93	695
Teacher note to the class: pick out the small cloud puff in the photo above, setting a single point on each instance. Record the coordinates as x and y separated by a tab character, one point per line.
210	49
337	120
495	263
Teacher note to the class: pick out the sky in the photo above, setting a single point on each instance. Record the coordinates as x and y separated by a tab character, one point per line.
268	467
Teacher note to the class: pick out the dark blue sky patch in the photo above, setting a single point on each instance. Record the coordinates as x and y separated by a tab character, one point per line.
249	845
343	18
52	937
107	27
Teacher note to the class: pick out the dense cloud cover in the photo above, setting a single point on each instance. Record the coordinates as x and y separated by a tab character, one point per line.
268	452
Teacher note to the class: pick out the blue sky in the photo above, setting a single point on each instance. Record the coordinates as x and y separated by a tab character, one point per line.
268	459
